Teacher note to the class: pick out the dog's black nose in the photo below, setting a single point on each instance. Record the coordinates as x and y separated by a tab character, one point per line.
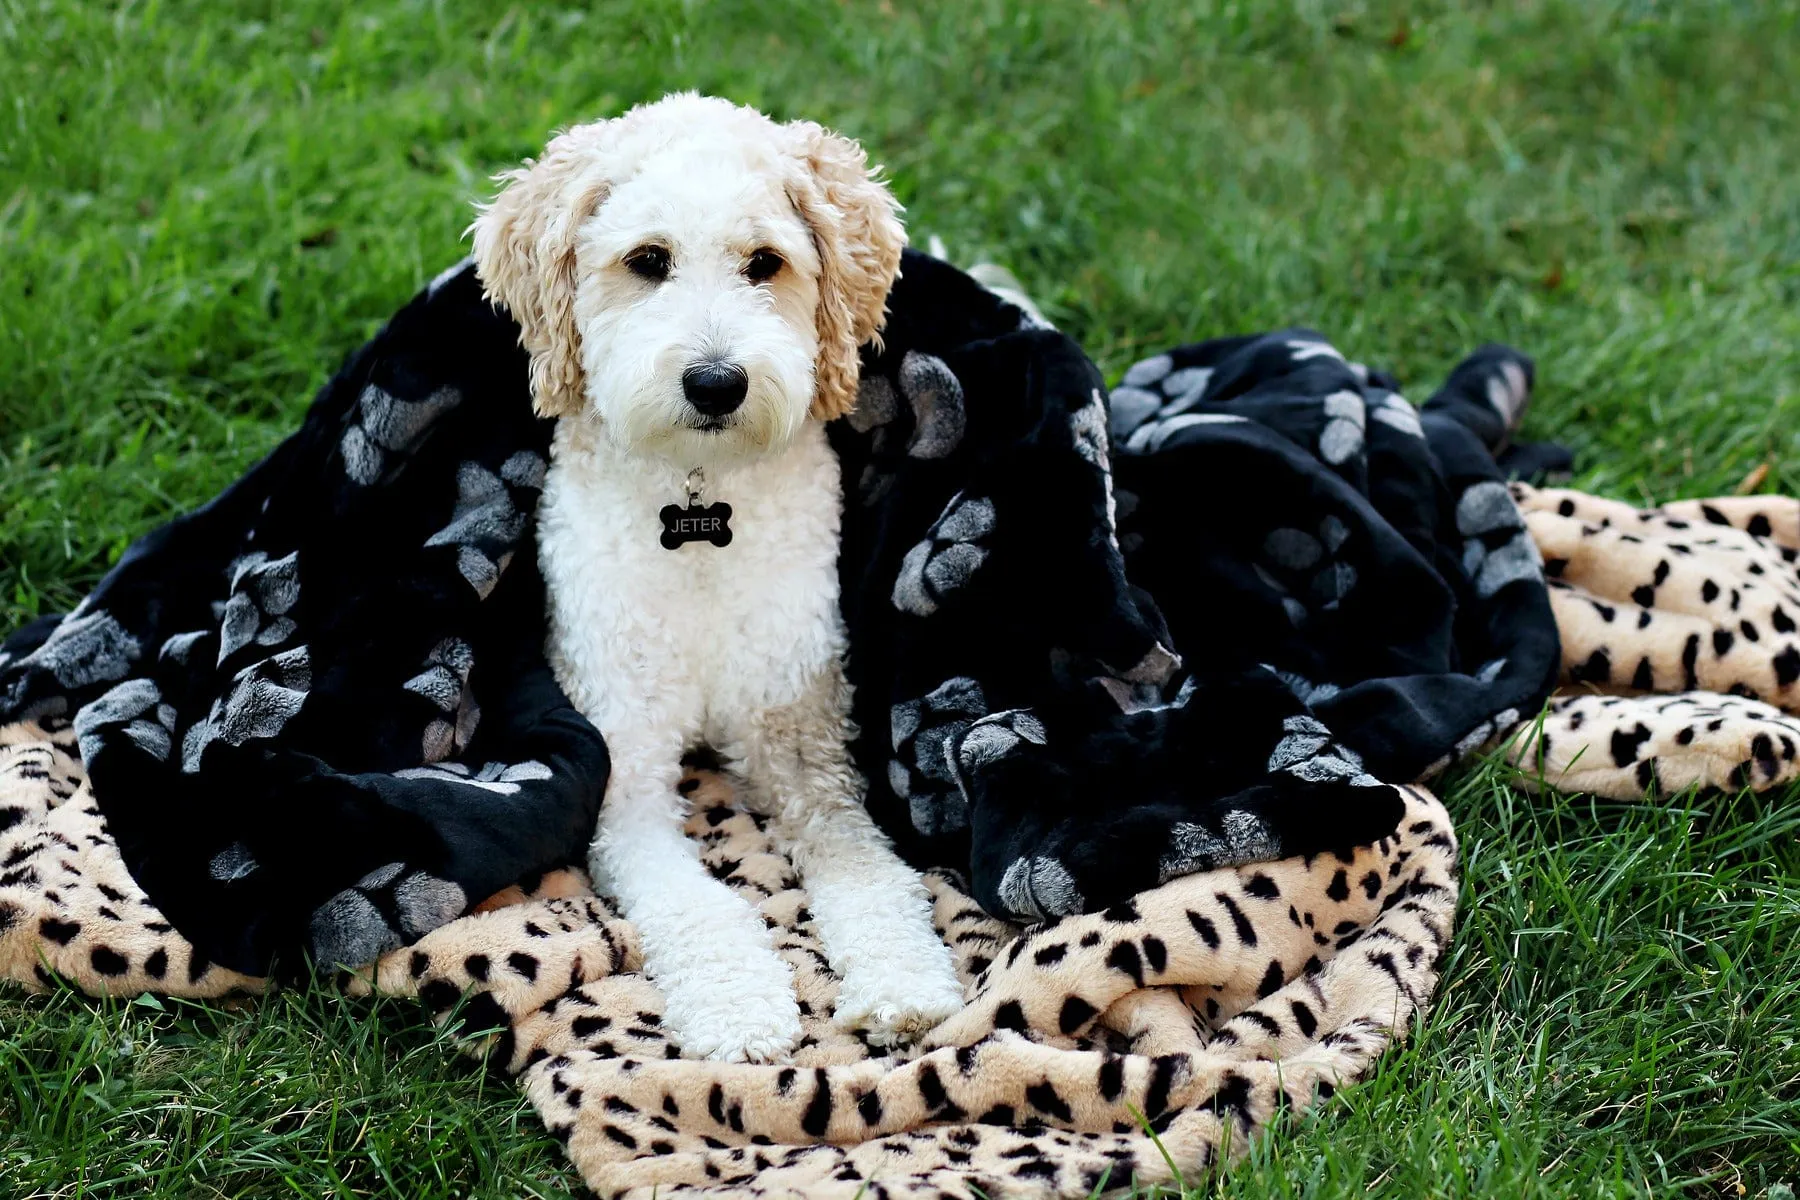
715	388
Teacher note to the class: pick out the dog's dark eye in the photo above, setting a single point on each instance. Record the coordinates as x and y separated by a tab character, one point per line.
649	262
762	265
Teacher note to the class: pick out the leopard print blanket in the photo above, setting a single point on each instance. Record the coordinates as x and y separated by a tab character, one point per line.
1123	1047
1681	649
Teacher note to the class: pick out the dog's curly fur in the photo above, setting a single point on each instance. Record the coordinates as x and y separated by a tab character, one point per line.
527	240
693	235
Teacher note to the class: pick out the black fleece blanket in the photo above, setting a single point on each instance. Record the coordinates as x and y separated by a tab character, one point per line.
1094	646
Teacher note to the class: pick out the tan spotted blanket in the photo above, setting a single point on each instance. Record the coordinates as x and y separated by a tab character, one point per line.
1098	1052
1103	1050
1680	628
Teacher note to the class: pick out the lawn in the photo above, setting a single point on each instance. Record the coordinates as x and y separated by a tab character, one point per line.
205	206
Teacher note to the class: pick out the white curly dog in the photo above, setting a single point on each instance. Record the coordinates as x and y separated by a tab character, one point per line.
693	281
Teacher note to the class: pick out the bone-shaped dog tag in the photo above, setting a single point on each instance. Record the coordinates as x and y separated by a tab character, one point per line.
696	523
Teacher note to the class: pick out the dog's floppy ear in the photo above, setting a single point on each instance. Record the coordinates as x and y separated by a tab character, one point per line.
855	223
525	256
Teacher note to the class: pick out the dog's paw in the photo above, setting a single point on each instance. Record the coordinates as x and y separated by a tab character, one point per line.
898	1001
737	1008
746	1037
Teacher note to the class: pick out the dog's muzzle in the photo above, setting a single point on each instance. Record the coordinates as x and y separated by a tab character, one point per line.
715	389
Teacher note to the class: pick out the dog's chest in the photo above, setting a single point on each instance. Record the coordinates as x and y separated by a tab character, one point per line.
701	632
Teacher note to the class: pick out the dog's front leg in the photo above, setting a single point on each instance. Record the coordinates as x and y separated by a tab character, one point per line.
870	908
727	994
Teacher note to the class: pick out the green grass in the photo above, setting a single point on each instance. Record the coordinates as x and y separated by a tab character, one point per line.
203	207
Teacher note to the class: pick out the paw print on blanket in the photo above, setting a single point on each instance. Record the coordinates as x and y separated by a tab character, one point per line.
445	684
1302	567
1156	387
490	516
1701	595
387	908
947	557
1308	753
385	428
1154	401
995	736
86	648
936	397
924	771
135	704
1497	548
263	592
1394	411
1346	421
877	405
264	697
502	779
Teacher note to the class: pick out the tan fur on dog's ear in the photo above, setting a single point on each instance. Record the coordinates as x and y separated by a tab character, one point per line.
525	256
855	222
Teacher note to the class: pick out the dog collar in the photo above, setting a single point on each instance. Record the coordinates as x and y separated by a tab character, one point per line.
697	522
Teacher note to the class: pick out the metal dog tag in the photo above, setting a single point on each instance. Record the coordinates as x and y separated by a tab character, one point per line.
697	522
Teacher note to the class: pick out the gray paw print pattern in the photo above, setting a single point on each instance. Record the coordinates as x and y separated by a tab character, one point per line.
936	396
264	592
502	779
1509	392
1038	888
1497	550
1307	752
487	522
233	863
1242	837
1087	429
85	649
930	389
386	427
1396	413
877	404
386	909
1153	400
947	558
1156	387
445	682
264	697
179	648
1309	692
1346	419
923	771
995	736
137	705
1303	569
1496	726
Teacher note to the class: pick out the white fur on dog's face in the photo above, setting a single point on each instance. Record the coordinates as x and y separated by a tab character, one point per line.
706	185
714	214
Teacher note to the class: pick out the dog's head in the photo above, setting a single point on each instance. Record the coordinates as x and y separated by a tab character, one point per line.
693	275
